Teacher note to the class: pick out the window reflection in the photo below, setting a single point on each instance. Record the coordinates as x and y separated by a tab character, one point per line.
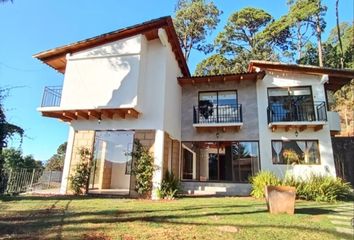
220	161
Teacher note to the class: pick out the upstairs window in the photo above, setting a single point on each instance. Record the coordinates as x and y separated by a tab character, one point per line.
291	104
218	106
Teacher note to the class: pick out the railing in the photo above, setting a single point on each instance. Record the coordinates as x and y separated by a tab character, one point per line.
52	96
228	113
297	112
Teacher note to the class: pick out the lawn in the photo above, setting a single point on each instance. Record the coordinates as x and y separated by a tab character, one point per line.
31	217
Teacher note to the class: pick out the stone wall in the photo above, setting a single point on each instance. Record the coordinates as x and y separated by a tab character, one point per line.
175	158
246	95
81	139
147	139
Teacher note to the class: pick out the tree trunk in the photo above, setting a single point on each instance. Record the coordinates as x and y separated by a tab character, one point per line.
339	37
318	35
299	40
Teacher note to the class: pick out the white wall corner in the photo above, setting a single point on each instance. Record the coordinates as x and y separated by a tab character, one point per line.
324	78
163	36
158	163
67	160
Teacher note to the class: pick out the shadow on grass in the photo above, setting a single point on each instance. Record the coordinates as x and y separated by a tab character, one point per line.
54	219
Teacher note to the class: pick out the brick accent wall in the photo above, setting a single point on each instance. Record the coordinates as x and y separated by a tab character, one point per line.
81	139
147	139
176	158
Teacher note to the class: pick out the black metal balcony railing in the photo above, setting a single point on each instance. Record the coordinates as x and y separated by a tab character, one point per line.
52	96
297	112
230	113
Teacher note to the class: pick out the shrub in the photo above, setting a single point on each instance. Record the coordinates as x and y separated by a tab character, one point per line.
320	188
143	169
262	179
169	187
79	180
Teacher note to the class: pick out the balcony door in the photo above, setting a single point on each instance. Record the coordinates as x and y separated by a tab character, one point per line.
218	107
291	104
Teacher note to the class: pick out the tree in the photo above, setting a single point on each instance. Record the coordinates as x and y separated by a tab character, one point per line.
308	13
14	160
194	21
7	130
56	162
249	34
339	36
213	65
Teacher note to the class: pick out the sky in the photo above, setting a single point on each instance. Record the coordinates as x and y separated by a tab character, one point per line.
31	26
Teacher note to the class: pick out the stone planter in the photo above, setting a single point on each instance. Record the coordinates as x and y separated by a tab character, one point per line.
280	199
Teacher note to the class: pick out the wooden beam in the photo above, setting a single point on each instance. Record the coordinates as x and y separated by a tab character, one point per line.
69	115
287	128
121	113
133	113
274	128
302	128
82	114
94	114
108	113
318	127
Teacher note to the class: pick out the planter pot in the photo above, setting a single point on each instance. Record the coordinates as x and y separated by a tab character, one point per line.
280	199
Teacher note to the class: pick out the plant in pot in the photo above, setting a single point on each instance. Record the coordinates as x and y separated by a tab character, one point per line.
281	198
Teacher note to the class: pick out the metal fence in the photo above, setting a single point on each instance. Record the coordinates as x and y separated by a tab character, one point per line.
28	180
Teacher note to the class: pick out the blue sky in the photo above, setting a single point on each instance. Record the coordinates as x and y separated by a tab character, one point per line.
28	27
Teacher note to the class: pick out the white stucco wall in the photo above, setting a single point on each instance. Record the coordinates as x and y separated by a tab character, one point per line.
134	73
104	76
280	79
173	96
158	94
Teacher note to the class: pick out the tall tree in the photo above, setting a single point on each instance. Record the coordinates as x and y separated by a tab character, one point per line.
7	130
213	65
194	21
339	35
304	14
56	162
250	33
14	159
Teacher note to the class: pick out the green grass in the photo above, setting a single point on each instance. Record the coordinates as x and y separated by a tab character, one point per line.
33	217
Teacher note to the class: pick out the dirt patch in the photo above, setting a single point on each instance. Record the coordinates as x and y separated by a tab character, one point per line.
230	229
127	237
97	236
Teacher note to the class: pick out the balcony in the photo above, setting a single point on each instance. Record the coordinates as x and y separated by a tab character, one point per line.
297	116
52	96
51	107
218	116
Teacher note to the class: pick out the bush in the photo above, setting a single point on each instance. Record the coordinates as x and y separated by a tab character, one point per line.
169	187
320	188
262	179
79	180
143	169
315	188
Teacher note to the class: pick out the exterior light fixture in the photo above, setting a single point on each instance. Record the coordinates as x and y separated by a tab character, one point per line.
296	133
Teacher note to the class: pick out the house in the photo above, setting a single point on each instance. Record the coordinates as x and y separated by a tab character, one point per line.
213	132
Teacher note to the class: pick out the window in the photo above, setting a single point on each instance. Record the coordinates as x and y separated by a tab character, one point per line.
295	152
218	106
111	161
291	104
220	161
